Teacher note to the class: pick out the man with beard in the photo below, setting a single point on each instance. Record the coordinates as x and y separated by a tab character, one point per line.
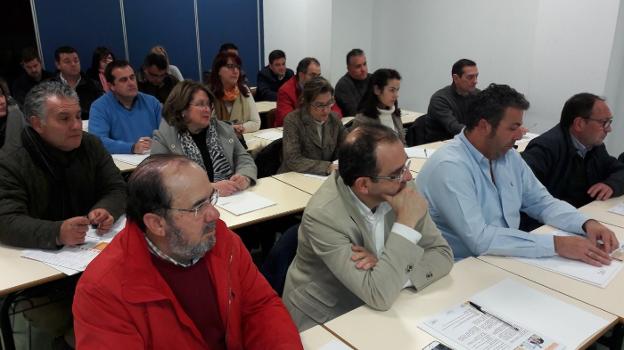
176	276
365	234
477	185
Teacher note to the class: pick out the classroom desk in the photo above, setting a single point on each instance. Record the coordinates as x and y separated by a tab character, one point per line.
287	198
608	299
123	166
417	163
254	143
308	184
265	106
19	273
599	210
397	328
318	337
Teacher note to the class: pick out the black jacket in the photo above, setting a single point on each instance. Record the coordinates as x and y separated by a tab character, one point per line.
88	91
268	84
447	114
552	155
40	186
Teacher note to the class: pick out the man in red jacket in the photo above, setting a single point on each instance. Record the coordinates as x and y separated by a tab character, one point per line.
176	277
288	94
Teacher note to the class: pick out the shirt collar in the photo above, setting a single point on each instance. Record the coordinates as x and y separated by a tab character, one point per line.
382	209
159	253
580	148
64	81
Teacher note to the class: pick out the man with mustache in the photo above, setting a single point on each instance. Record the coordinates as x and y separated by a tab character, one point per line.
365	234
477	185
571	159
176	277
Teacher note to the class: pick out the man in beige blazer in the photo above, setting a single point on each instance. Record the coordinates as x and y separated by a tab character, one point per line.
365	235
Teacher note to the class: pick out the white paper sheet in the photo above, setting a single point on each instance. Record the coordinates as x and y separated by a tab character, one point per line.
269	134
578	270
243	202
71	260
323	178
419	152
134	159
618	209
527	308
335	345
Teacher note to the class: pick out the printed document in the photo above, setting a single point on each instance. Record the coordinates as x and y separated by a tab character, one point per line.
243	202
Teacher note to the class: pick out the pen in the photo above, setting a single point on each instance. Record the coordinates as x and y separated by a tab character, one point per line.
480	309
426	156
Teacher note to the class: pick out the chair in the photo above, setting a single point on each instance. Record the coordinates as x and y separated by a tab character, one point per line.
415	134
281	255
269	159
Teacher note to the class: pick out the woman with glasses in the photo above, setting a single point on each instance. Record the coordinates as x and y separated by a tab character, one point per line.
313	132
190	129
234	102
102	56
380	102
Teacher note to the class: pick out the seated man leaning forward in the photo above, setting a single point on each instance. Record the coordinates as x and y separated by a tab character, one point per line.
57	180
365	235
176	277
477	185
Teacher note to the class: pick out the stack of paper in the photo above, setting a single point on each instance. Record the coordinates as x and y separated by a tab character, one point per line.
533	320
598	276
269	134
419	152
72	260
243	202
134	159
618	209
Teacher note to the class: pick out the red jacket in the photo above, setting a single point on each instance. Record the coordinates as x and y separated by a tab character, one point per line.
122	302
288	101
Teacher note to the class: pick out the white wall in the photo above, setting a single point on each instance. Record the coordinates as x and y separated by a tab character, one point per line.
547	49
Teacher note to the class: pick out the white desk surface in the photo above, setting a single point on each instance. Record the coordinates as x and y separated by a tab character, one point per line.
305	183
599	210
123	166
397	328
265	106
417	163
19	273
287	198
317	337
256	144
608	299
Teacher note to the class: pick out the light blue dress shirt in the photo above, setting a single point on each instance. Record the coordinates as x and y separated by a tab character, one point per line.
478	216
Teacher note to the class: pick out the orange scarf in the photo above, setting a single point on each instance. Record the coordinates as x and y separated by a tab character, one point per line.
231	95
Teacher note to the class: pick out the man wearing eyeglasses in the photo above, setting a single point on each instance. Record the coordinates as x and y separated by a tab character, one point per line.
176	277
124	118
571	159
365	234
477	185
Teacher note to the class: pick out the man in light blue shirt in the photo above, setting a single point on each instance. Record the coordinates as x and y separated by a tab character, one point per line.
124	118
477	185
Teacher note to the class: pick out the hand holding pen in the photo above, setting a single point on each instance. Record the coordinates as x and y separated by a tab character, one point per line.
101	220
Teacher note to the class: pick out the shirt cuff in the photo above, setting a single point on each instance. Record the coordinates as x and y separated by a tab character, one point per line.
406	232
545	245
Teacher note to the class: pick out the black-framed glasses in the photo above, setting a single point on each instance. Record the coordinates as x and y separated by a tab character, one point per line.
212	201
605	122
232	66
317	105
201	105
395	178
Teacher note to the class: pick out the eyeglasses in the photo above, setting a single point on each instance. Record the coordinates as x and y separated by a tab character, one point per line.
201	105
606	123
327	105
395	178
212	201
232	66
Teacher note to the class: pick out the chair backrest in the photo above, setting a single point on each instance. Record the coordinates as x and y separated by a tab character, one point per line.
269	159
415	134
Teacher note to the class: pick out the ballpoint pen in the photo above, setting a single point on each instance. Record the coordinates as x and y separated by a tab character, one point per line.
480	309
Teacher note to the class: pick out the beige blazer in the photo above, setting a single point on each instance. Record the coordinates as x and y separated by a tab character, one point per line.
322	281
303	150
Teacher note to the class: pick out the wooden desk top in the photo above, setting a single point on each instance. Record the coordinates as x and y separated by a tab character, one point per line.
265	106
397	328
599	210
305	183
417	163
318	337
608	299
287	198
408	117
19	273
254	143
123	166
